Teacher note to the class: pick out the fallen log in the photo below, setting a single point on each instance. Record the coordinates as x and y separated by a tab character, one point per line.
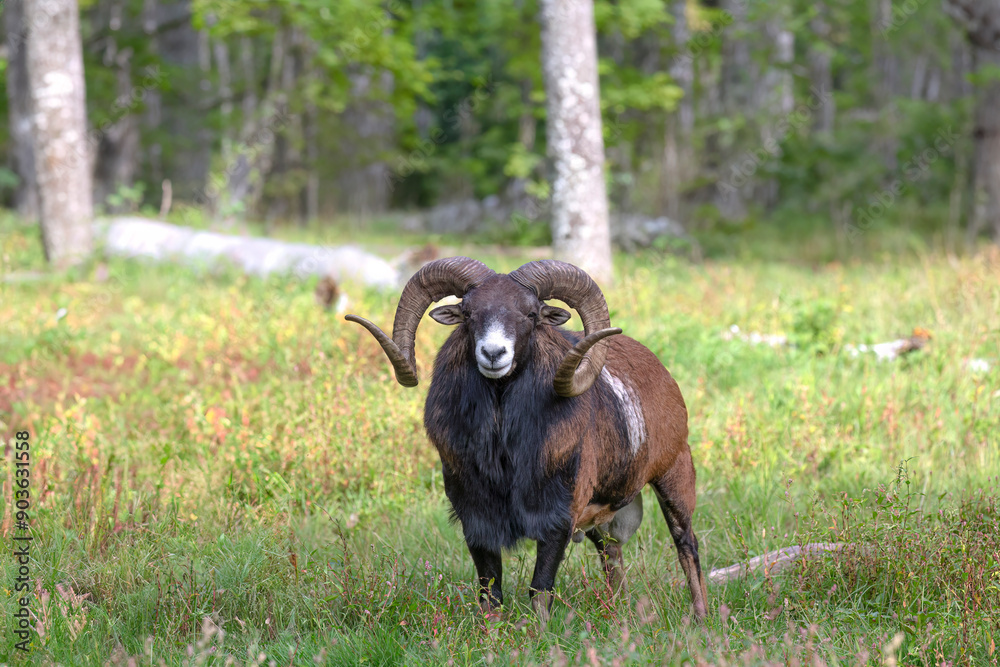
773	562
163	242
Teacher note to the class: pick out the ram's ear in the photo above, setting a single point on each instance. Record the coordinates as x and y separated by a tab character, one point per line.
554	316
448	314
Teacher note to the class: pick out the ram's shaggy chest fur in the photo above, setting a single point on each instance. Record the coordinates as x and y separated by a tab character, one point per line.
504	482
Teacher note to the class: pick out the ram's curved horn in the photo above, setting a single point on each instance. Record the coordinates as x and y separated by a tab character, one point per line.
453	276
551	279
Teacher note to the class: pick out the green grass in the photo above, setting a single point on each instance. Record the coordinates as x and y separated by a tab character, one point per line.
212	451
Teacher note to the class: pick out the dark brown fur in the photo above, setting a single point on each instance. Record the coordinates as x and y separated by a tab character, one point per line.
327	292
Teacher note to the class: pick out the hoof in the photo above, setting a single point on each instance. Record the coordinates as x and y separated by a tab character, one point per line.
616	580
489	609
541	605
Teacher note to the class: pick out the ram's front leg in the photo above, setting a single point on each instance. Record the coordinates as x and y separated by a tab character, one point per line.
550	554
489	567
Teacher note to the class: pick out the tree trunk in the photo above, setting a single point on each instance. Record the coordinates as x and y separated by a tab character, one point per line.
365	183
310	130
179	134
886	76
580	232
678	157
775	104
253	156
821	71
736	86
222	206
309	191
284	201
117	140
980	19
22	153
736	80
249	103
63	164
153	113
986	134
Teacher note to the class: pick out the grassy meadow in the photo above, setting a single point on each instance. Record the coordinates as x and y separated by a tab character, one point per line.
224	473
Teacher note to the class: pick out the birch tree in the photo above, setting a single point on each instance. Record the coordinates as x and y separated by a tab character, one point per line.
59	125
580	233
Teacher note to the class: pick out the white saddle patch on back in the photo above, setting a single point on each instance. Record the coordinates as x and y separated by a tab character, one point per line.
632	408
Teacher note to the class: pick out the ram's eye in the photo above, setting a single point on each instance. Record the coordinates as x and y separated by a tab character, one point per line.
533	315
466	314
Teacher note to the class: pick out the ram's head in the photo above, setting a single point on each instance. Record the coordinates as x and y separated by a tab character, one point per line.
500	313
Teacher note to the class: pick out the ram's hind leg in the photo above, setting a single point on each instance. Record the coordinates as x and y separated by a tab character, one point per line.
611	537
676	493
489	567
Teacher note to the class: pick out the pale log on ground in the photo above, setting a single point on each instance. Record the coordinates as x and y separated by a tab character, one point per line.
773	562
163	242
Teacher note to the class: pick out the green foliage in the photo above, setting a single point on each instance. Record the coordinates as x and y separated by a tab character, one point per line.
126	198
521	163
522	231
346	34
814	325
823	173
455	93
636	90
485	135
631	18
8	179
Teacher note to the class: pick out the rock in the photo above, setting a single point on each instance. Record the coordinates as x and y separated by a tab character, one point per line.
412	222
469	216
630	231
460	217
